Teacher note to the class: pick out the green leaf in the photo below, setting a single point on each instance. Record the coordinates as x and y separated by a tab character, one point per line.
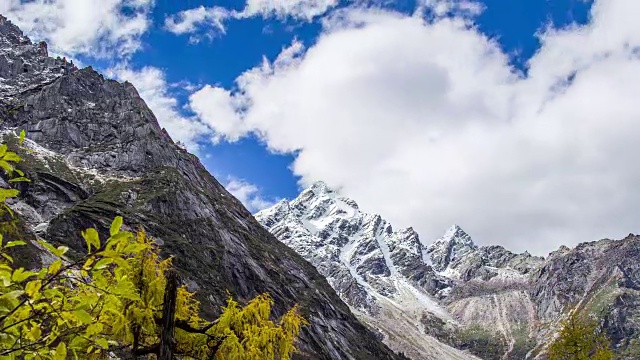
55	267
19	172
22	136
61	250
94	329
33	287
61	352
92	238
103	264
20	179
83	316
6	166
3	149
11	156
115	225
47	246
8	193
12	295
114	240
9	258
103	343
134	248
20	275
15	243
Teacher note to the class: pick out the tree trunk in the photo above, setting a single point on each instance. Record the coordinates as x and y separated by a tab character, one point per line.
167	340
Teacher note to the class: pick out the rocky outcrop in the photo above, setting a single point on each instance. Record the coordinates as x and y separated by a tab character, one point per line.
599	279
97	151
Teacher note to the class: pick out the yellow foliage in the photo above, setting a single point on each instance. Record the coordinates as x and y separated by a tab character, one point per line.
114	297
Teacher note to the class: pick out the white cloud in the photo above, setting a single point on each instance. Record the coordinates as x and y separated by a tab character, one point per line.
442	8
188	21
218	109
153	89
73	27
299	9
427	124
212	19
248	194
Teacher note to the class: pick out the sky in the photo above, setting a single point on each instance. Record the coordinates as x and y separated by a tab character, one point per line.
517	120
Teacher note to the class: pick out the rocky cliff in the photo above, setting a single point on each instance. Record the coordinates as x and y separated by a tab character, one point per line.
452	298
95	151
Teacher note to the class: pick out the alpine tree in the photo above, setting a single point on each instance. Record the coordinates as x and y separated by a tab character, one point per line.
580	339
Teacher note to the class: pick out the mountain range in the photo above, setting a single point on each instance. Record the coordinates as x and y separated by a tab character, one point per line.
452	299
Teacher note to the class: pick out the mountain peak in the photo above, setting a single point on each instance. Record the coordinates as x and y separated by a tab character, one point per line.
457	235
453	245
320	187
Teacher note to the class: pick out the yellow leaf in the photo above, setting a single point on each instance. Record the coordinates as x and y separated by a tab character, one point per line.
23	134
15	243
92	238
20	179
35	332
83	316
61	250
61	352
11	156
20	275
103	264
55	267
6	166
33	287
103	343
9	258
115	225
94	328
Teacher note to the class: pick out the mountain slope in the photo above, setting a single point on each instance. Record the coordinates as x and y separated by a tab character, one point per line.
377	270
427	300
97	151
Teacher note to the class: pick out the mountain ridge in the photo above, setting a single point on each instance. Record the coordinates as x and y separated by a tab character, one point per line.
483	300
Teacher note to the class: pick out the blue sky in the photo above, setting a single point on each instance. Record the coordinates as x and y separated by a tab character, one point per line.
221	59
513	119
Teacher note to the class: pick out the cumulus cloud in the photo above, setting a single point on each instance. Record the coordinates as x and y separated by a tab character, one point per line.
96	28
428	124
442	8
299	9
154	90
248	194
211	20
189	21
218	109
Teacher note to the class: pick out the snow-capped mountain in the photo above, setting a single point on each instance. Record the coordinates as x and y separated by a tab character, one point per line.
379	271
450	299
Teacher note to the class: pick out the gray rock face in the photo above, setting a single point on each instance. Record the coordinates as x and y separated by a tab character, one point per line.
599	279
97	151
